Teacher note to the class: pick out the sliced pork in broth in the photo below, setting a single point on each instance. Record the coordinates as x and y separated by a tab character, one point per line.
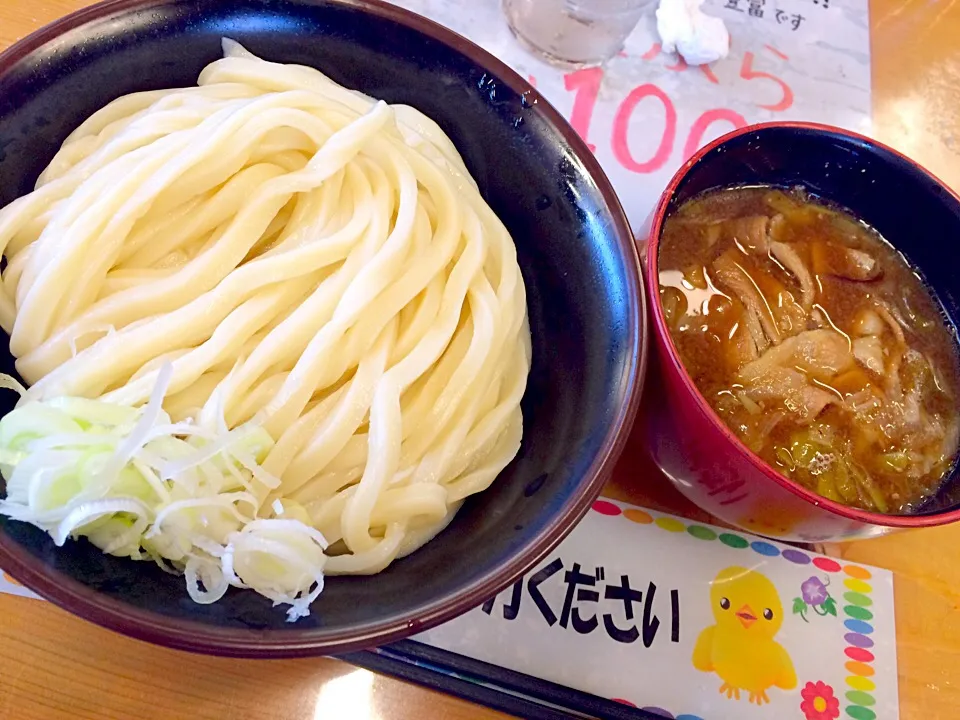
836	365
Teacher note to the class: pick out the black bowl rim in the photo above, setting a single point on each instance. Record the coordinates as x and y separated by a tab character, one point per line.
112	614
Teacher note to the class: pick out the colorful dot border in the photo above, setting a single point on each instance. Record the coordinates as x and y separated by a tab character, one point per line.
856	599
856	609
729	538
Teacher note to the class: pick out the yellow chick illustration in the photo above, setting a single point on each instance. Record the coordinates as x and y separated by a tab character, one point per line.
740	647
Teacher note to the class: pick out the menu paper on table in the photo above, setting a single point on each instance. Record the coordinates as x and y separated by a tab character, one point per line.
693	622
690	621
644	112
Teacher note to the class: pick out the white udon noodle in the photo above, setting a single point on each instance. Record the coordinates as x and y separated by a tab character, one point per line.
303	256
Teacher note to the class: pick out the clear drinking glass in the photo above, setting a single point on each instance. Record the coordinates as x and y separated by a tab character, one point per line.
574	32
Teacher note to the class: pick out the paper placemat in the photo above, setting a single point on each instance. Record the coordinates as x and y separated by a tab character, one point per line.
690	621
694	622
644	113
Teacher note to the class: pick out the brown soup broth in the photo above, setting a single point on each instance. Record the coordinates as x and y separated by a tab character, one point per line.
816	343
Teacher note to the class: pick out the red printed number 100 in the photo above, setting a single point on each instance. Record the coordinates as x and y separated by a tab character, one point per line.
585	84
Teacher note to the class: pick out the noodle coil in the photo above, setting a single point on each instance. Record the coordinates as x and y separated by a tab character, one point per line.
298	256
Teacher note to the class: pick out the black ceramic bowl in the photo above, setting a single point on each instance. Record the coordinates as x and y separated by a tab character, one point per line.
575	250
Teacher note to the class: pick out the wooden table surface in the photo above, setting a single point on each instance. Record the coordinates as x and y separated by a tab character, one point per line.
53	665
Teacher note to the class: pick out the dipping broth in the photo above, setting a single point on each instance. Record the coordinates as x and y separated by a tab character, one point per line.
815	342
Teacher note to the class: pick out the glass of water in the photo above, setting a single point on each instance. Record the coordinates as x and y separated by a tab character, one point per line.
574	33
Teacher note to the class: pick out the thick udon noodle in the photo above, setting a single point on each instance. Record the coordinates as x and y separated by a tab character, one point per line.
303	256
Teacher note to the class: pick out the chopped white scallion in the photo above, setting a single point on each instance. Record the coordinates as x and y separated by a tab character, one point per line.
186	495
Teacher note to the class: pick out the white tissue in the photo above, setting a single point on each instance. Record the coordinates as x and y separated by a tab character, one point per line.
684	28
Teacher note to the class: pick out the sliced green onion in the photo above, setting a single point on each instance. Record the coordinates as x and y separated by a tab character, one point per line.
186	495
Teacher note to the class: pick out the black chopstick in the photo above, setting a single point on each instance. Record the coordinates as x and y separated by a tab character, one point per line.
505	690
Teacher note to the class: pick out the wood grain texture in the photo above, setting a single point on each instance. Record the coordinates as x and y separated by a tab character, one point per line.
926	564
53	665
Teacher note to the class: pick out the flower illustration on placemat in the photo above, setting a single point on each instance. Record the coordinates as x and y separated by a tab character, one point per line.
819	702
814	596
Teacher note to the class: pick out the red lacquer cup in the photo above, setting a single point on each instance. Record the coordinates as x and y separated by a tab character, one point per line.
689	443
